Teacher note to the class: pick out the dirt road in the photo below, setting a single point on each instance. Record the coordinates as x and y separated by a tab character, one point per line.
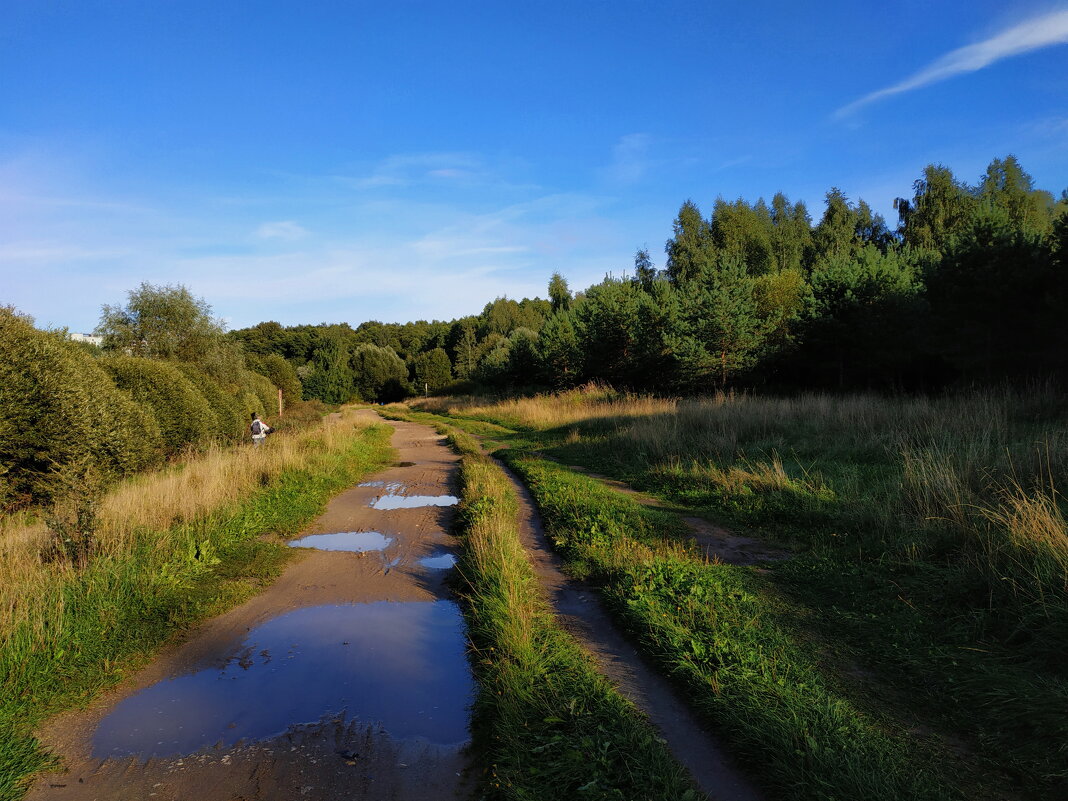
372	632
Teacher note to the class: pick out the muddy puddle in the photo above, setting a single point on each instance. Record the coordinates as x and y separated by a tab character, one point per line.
399	665
438	561
412	501
356	541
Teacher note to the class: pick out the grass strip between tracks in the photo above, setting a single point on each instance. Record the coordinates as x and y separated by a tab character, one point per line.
547	724
115	613
723	633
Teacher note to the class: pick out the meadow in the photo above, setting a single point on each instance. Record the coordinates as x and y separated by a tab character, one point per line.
92	585
912	643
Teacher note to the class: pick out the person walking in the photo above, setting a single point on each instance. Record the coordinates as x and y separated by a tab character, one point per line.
259	430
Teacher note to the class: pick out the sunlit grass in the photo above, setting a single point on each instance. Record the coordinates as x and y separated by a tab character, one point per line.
928	535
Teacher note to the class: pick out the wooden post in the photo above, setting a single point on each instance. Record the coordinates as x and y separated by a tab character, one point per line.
279	403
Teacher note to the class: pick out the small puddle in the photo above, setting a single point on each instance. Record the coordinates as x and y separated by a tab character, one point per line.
412	501
441	561
358	541
399	664
388	486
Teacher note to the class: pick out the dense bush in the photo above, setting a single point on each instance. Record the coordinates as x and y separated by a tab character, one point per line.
59	409
258	393
228	408
379	374
183	415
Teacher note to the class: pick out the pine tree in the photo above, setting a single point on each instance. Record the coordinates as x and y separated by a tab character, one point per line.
723	320
644	271
559	351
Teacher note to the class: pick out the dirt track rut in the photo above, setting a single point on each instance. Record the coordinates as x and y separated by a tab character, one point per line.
582	613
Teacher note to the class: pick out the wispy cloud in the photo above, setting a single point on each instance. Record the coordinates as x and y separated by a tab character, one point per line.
405	257
630	159
1033	34
285	230
411	168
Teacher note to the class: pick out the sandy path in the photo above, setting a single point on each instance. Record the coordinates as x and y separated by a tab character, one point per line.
580	610
333	759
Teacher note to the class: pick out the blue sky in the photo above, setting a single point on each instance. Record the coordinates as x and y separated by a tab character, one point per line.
344	161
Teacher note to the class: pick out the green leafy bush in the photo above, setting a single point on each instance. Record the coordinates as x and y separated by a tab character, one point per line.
57	408
379	374
183	415
258	393
228	408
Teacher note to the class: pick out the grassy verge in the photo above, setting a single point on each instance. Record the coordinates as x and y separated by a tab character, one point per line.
547	724
723	633
71	632
930	549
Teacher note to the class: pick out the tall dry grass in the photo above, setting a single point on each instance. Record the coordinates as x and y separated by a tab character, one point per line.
141	509
990	465
592	401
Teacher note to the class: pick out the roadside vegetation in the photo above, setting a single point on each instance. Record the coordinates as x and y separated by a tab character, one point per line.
166	382
547	724
910	647
94	583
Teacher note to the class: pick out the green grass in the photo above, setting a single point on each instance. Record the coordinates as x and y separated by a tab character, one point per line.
547	724
117	612
916	592
723	633
962	643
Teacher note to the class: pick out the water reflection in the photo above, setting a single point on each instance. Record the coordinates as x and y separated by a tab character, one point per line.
413	501
440	561
358	541
401	664
388	486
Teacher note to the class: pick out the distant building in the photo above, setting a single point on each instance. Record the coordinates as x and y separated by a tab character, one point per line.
90	338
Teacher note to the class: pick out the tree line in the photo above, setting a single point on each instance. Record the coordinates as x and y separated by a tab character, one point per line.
971	285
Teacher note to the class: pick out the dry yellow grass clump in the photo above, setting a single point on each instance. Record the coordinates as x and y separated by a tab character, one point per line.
145	506
558	409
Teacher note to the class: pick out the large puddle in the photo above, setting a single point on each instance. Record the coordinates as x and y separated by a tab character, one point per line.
412	501
358	541
401	665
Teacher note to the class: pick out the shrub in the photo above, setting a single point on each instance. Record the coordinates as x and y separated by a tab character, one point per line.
258	393
380	374
182	413
229	410
57	408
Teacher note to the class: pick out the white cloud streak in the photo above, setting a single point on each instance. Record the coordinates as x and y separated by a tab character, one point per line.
1033	34
286	230
404	259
